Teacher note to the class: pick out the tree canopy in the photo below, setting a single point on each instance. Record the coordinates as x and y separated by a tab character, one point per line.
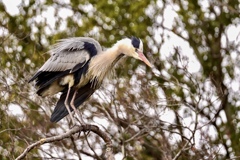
186	107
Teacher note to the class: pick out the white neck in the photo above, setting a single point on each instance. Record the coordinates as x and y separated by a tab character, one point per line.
102	63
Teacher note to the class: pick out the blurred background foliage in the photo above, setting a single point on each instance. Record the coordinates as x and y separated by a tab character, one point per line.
186	107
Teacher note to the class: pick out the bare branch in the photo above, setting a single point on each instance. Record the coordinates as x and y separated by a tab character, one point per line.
68	134
180	152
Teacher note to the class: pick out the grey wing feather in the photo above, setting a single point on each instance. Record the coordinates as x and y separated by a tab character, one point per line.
65	61
68	53
74	43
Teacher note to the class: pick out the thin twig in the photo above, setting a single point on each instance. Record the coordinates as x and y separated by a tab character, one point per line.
180	152
75	147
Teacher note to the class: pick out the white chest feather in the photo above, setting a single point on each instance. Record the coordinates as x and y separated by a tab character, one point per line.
101	65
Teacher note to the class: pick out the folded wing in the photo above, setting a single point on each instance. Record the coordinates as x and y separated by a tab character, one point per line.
69	56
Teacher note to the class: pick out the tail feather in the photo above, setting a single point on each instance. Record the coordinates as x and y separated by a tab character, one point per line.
60	111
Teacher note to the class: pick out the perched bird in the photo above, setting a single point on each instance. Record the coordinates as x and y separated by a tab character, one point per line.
77	67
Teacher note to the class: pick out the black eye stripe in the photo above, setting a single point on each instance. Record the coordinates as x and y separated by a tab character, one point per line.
135	42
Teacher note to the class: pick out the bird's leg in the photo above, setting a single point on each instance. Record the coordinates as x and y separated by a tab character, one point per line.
79	117
67	106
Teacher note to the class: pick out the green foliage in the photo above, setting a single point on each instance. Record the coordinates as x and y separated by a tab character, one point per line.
141	96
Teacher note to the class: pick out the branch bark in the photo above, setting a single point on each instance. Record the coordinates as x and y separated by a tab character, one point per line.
76	129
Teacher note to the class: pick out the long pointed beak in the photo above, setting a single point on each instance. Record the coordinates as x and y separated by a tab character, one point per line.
144	59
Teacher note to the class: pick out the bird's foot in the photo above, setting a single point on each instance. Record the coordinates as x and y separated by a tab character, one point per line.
77	122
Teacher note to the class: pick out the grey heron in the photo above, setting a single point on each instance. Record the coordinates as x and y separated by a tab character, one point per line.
77	67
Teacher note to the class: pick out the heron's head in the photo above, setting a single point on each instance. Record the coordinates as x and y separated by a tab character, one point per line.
133	47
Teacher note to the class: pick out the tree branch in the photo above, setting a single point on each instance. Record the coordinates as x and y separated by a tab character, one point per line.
181	150
68	134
